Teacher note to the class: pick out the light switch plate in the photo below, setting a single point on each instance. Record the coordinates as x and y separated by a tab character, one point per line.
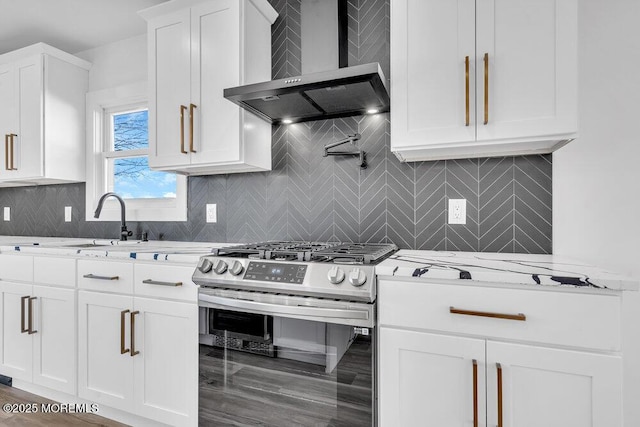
457	211
67	214
7	213
212	212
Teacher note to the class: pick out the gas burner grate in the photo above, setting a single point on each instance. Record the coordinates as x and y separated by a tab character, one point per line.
332	252
356	253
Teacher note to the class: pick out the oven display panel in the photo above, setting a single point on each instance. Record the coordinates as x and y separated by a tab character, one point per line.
272	272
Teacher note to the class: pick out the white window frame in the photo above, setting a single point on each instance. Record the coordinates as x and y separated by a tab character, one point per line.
100	105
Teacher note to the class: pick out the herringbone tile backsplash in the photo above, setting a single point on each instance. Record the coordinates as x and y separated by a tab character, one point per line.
310	197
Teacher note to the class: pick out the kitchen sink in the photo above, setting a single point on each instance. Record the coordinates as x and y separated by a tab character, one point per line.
85	245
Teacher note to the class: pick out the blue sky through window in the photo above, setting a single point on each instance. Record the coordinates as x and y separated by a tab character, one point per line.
132	177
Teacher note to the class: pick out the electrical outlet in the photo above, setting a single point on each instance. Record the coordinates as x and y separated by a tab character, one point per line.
67	214
7	213
212	213
457	211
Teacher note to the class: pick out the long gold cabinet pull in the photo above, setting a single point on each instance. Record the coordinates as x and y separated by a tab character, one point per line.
30	323
160	283
6	151
499	369
98	277
133	333
183	108
191	108
475	392
486	88
466	90
506	316
23	328
122	320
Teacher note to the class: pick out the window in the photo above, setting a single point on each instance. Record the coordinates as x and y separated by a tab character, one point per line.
117	123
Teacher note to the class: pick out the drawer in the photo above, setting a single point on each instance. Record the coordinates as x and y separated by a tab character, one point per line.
553	317
165	281
16	267
105	276
54	271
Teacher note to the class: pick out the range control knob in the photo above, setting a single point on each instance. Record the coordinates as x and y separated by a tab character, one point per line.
357	277
236	268
219	266
335	275
204	265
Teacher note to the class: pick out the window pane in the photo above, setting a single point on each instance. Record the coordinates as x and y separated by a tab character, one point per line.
131	130
132	179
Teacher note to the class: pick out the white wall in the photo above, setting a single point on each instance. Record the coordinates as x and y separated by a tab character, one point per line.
596	178
118	63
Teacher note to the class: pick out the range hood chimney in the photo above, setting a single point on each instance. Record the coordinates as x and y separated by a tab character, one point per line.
327	88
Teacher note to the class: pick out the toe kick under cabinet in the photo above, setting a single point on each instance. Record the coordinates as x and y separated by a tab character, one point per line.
473	355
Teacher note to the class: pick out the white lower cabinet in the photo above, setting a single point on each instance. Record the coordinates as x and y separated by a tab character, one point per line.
552	387
428	379
139	355
38	335
434	358
105	373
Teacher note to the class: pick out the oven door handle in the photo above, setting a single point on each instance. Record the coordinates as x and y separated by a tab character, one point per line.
280	309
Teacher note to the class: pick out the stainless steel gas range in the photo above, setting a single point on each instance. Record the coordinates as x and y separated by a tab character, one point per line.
311	306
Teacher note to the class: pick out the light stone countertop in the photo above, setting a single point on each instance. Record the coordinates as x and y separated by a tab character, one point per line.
509	269
154	250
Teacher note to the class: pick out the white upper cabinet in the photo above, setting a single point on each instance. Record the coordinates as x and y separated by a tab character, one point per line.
42	97
195	52
475	78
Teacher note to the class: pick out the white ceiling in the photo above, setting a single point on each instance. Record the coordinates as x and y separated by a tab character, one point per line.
70	25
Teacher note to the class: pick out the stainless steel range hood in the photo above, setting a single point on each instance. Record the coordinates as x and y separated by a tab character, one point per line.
335	92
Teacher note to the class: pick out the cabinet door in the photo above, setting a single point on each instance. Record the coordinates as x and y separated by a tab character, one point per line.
7	112
532	84
16	359
27	144
553	388
169	89
430	41
104	374
166	369
215	44
54	345
428	379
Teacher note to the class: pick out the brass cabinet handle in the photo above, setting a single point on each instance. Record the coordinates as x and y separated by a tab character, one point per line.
122	349
133	333
97	277
157	282
11	156
499	368
191	108
23	329
521	317
6	151
30	325
486	88
466	90
475	393
183	108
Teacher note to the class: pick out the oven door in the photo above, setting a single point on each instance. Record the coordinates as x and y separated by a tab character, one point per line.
321	373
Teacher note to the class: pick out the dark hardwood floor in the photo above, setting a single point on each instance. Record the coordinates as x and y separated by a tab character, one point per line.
251	390
10	395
